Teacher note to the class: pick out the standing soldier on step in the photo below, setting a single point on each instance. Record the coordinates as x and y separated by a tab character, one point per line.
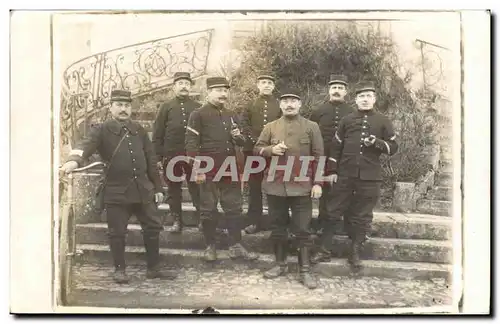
132	182
213	132
261	111
361	138
289	138
169	139
328	117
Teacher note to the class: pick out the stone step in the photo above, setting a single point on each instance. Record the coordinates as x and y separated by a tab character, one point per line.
385	224
445	179
192	238
440	193
435	207
446	165
243	287
135	255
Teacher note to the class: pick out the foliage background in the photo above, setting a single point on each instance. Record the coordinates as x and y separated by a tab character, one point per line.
303	54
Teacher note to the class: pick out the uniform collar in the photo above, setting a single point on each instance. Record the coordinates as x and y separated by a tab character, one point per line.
336	103
181	99
219	108
365	112
116	127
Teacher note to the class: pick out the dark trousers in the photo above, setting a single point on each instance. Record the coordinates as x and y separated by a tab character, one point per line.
326	197
175	188
229	195
118	216
281	222
255	196
361	204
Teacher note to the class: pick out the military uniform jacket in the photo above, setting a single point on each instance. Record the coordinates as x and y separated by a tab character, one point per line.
328	117
170	126
261	111
132	176
350	157
209	134
303	139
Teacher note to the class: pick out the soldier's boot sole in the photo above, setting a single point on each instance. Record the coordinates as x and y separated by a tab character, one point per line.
276	271
121	277
308	280
210	254
321	257
161	274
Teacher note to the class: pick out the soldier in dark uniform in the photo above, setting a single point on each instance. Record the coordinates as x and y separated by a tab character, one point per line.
290	138
168	139
328	117
362	137
265	108
213	132
133	182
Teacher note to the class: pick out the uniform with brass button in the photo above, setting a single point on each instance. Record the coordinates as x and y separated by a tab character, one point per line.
264	109
328	116
169	141
361	138
291	137
133	182
211	133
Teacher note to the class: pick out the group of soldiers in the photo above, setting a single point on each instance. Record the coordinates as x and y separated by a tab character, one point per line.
352	140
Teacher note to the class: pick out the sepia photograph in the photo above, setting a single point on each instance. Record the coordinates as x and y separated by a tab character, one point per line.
257	162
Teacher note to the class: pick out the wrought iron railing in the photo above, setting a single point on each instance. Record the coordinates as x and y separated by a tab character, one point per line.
141	68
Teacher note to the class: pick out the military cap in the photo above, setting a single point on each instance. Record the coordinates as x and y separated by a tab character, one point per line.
121	95
182	75
290	93
215	82
365	86
266	76
338	78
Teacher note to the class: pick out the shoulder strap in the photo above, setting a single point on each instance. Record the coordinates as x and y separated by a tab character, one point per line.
113	155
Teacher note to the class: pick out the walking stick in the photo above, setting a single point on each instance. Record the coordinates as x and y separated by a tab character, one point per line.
67	240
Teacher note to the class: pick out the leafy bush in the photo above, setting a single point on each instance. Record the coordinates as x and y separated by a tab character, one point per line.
304	54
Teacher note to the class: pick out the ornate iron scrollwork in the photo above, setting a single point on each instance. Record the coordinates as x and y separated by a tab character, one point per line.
140	68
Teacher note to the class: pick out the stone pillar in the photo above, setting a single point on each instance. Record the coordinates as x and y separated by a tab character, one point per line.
404	196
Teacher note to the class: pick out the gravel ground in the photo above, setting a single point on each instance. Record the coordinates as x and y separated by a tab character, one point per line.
243	287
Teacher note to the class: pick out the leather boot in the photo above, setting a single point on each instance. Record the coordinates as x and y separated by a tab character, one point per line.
238	251
152	245
354	255
281	267
305	275
210	253
120	276
177	226
323	255
117	247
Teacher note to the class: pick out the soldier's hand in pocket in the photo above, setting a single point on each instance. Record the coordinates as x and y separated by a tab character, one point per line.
316	192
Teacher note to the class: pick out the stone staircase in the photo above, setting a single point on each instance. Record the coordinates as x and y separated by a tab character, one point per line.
438	200
405	249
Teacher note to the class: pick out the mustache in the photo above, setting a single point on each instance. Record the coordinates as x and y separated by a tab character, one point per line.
183	89
336	94
223	97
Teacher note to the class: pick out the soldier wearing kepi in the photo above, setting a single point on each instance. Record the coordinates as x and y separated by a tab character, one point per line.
212	132
362	137
133	182
291	137
264	109
169	140
328	116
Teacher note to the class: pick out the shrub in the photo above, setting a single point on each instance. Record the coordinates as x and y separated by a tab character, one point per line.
304	54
